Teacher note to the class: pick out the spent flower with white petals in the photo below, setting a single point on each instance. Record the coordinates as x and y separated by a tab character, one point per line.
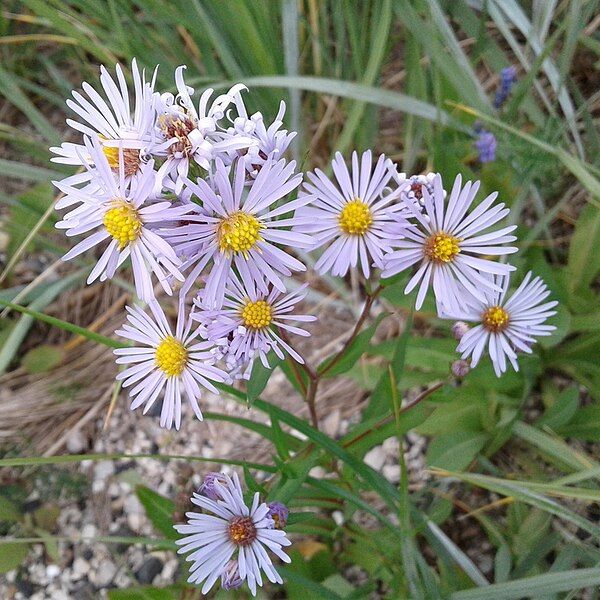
241	229
177	362
122	213
507	326
251	323
447	242
188	134
234	531
124	131
353	218
270	142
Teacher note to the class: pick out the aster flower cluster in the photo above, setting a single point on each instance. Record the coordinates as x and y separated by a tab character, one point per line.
202	202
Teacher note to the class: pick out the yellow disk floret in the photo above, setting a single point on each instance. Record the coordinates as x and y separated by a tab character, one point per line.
171	356
441	247
495	319
355	218
257	315
238	232
123	223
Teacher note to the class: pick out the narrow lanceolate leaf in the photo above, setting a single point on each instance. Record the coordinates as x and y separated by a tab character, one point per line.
533	494
82	331
532	587
32	461
158	509
356	91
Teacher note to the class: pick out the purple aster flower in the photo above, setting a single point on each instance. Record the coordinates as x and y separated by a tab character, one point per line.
188	134
486	146
508	76
121	213
250	322
354	218
279	513
176	362
242	229
120	130
507	326
231	530
445	242
207	487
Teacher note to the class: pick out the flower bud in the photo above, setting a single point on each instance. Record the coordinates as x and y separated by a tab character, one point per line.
279	513
460	368
207	487
230	577
459	329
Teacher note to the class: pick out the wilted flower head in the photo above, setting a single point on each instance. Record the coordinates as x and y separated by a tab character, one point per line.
232	531
187	134
270	142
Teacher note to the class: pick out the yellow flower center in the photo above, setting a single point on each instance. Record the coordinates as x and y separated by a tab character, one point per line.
123	223
171	356
257	315
441	247
355	218
242	531
238	233
131	159
495	319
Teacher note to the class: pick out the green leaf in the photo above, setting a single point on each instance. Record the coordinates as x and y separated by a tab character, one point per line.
356	91
563	409
42	358
454	451
82	331
8	511
379	402
260	377
584	251
532	587
148	592
31	461
12	555
159	510
585	425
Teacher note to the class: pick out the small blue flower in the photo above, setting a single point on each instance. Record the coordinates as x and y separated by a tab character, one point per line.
508	76
486	146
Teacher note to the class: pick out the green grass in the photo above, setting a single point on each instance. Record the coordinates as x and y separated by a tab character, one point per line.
410	79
